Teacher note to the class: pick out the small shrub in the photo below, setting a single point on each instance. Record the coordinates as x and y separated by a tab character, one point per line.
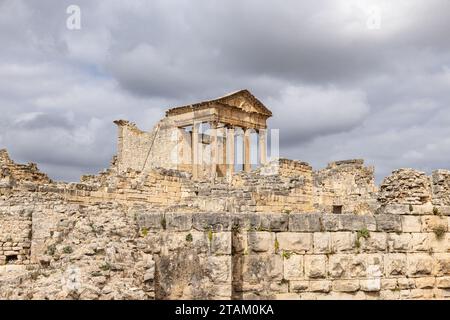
411	209
436	211
144	231
164	222
363	233
51	249
236	228
67	250
210	235
105	267
261	228
276	246
287	255
288	211
439	231
35	274
189	238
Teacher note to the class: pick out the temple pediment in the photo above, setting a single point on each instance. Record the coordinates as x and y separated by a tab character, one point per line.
242	100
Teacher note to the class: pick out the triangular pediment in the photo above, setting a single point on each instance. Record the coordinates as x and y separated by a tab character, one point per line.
245	101
242	99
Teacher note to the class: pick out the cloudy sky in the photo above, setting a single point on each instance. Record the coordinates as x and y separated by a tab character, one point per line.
343	78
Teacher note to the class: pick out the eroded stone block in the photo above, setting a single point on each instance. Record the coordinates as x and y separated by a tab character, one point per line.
295	241
316	266
305	222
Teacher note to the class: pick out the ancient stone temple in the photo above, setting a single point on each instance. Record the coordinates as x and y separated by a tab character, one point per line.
180	141
176	217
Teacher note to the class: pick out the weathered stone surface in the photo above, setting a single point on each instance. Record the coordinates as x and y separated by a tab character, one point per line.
305	222
293	267
420	242
258	268
339	266
371	285
430	223
442	266
299	286
316	266
395	264
295	241
320	286
322	242
425	283
348	222
399	242
160	234
342	241
261	241
377	242
411	224
419	264
346	285
388	223
178	221
443	283
213	221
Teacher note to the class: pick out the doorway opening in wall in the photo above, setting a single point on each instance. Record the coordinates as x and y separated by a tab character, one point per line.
11	259
337	209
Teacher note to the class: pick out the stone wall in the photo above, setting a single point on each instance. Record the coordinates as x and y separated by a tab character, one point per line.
406	186
157	234
348	185
142	151
302	256
10	172
441	187
15	231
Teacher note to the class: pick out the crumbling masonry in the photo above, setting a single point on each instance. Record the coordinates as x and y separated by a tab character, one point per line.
178	215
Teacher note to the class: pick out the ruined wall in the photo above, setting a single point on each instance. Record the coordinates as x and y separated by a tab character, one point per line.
15	231
160	235
346	184
406	186
141	151
326	256
11	171
441	187
301	256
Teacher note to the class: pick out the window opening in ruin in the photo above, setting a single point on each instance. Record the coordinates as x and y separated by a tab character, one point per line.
11	258
337	209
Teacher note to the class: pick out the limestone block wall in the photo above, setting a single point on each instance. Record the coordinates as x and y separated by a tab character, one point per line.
139	150
192	254
287	190
133	146
15	232
348	184
441	187
326	256
10	172
406	186
402	255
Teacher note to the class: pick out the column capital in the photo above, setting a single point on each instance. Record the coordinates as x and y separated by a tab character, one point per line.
214	124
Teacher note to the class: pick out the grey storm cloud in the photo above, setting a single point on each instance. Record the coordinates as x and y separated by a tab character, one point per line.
338	89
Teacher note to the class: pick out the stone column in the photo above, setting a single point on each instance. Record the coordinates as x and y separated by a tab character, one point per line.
262	146
214	149
195	154
230	151
247	155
